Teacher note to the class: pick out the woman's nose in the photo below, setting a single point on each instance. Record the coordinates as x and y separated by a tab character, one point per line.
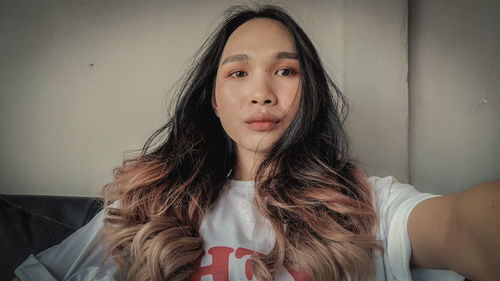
262	92
261	101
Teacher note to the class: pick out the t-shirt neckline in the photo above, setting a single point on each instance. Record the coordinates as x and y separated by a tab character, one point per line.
242	188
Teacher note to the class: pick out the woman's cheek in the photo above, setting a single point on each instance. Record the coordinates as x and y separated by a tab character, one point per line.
289	92
233	94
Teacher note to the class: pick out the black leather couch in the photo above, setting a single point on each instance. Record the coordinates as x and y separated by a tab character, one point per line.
30	224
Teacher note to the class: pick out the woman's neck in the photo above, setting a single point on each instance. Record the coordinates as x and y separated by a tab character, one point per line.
247	163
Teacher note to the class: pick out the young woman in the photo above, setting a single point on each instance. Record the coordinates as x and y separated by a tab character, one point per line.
251	179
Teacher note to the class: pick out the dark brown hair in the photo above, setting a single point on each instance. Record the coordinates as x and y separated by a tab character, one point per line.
318	201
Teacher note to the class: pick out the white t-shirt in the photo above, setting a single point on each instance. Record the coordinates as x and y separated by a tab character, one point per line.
231	230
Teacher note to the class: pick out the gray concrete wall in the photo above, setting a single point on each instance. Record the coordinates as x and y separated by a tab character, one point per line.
81	82
376	71
454	94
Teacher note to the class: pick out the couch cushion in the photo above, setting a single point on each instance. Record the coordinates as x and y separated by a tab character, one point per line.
70	210
23	233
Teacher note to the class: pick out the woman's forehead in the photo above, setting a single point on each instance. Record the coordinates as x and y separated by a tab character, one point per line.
259	35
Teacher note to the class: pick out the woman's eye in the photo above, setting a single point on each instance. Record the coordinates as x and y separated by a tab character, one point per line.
285	72
238	74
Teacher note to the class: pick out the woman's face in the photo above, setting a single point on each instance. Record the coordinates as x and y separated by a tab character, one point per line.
257	88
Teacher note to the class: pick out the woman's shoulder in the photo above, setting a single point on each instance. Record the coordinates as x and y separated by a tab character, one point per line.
393	202
391	195
390	187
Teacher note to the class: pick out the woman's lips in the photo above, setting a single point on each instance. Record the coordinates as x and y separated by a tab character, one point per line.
262	125
262	121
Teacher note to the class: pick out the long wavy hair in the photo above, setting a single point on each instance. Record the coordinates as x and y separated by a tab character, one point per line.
318	201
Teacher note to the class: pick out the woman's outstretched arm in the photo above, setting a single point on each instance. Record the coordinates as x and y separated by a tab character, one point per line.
460	231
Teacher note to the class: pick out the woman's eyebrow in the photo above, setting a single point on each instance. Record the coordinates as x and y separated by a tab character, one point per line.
244	57
237	57
287	55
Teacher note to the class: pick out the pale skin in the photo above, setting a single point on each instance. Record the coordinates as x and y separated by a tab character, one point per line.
460	232
258	74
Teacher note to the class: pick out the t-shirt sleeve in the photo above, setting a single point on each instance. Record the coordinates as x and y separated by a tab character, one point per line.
394	202
78	257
